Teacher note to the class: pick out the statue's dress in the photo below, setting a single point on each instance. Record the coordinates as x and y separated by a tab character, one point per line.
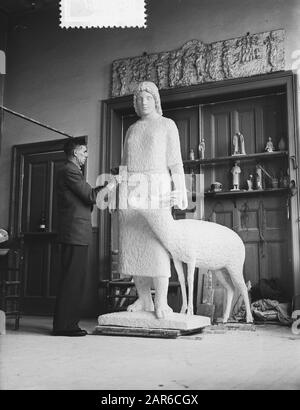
151	151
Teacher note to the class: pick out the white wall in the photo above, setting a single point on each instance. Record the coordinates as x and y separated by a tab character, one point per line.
59	76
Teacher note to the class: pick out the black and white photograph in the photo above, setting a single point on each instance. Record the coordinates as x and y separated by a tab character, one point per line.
149	198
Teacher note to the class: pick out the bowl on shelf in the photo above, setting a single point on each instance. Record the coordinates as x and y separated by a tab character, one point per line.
3	251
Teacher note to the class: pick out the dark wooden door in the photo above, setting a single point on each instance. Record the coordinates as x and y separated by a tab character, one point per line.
34	200
41	252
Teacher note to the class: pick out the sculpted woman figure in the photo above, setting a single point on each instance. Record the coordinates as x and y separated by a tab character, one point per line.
151	155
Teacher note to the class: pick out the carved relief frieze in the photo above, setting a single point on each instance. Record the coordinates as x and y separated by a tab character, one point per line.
196	62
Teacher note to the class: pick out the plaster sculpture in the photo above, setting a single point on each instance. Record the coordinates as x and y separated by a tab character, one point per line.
201	244
201	148
250	182
197	63
242	142
238	143
2	323
151	152
235	143
269	145
236	170
258	175
192	154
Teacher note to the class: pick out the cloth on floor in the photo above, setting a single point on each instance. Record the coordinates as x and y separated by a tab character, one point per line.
271	310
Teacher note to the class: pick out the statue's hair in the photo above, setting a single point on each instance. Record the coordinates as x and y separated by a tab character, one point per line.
150	88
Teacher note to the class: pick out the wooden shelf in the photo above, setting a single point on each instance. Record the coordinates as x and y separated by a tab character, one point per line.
232	158
128	284
246	193
38	234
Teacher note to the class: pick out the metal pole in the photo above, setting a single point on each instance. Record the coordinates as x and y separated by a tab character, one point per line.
35	121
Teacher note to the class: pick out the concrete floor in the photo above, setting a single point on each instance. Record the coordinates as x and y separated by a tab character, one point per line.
268	358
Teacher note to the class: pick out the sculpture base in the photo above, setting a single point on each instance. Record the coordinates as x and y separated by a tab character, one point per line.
146	324
2	323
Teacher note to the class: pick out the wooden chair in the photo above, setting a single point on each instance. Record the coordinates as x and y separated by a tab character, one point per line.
10	284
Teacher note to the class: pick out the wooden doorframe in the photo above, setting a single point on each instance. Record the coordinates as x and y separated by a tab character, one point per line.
19	152
113	109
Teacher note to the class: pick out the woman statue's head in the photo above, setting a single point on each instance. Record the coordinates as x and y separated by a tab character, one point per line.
146	99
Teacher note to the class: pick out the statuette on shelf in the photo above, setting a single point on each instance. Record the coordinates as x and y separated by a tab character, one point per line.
238	144
192	154
281	144
269	146
3	235
201	148
258	179
236	170
242	143
284	180
216	187
250	182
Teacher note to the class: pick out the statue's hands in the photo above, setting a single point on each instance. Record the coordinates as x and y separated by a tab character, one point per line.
175	198
182	201
178	178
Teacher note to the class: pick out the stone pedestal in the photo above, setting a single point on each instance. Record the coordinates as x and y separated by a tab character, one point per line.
2	323
147	324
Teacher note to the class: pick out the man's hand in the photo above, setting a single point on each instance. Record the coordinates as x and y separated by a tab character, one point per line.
100	187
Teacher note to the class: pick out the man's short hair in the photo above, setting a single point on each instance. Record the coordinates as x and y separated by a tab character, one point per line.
71	144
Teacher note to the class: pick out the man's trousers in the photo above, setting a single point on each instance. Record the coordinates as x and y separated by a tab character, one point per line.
67	312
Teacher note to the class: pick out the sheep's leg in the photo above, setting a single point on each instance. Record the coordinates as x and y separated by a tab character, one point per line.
144	301
161	286
180	273
239	282
228	285
190	280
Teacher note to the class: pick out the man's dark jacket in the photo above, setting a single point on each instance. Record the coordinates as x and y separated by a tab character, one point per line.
75	202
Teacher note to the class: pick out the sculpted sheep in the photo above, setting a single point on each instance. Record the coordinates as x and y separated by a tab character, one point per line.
205	245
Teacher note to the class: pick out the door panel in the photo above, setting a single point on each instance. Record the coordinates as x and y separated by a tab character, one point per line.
263	226
41	268
34	199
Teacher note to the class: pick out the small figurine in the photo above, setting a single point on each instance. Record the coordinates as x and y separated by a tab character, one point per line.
201	148
236	170
238	144
284	179
192	154
281	144
258	178
269	145
242	142
235	143
216	187
250	182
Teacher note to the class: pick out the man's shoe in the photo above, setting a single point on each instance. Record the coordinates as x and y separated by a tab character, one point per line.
75	332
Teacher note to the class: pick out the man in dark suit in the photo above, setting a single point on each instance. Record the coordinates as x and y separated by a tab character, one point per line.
75	203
